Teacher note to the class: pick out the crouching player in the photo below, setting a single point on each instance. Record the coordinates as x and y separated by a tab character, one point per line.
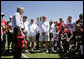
65	39
78	33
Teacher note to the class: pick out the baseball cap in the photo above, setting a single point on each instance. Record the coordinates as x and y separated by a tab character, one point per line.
78	25
2	14
44	17
10	17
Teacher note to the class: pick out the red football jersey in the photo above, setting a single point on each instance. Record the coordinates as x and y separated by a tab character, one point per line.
79	33
60	25
1	31
66	34
3	23
80	22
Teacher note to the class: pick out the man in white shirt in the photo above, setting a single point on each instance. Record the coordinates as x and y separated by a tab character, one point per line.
44	33
17	25
26	32
33	29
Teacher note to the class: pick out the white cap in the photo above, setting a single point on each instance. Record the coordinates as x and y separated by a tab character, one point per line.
10	17
2	14
77	25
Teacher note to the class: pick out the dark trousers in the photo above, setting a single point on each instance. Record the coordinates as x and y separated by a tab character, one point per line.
17	50
66	46
37	39
10	39
3	43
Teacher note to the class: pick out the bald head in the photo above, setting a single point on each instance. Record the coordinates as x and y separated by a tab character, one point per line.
20	10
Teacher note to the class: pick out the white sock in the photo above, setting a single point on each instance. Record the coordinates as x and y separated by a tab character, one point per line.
55	43
26	50
67	51
81	48
42	49
57	48
32	49
52	48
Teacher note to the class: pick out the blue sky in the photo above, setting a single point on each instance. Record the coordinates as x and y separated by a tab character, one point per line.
52	9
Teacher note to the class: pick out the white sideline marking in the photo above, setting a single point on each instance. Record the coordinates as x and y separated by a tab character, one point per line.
25	56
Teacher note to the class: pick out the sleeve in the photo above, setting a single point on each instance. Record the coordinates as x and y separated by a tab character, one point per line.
40	27
45	27
17	16
69	31
37	28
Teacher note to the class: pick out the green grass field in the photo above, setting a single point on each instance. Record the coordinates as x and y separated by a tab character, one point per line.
38	54
35	54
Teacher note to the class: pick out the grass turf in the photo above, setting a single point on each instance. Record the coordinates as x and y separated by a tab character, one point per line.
38	54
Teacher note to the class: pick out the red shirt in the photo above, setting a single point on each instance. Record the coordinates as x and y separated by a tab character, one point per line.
1	31
79	33
80	22
3	23
60	25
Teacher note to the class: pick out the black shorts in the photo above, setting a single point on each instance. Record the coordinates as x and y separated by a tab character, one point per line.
51	36
10	37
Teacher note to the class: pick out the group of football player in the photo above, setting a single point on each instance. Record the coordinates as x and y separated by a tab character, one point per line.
57	36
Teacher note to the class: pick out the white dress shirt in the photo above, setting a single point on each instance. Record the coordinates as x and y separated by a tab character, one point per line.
52	28
26	27
33	29
37	23
17	21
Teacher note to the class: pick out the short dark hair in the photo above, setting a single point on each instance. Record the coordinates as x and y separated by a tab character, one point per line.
81	15
24	16
60	19
69	17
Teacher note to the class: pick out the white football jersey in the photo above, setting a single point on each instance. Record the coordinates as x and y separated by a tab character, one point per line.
56	35
71	26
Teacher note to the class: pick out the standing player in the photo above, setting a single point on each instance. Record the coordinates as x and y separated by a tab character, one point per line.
51	35
56	37
10	33
33	29
26	32
17	24
37	35
60	24
3	26
69	24
44	33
